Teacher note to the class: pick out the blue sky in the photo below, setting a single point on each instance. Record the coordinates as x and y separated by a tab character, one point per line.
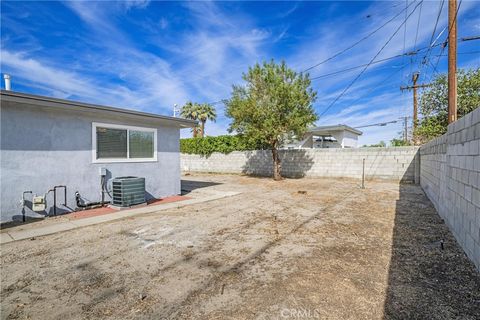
150	55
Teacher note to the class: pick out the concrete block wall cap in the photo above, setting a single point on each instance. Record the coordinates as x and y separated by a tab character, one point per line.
450	128
476	131
467	120
475	116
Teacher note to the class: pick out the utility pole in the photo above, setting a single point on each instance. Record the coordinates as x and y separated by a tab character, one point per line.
415	102
415	106
452	61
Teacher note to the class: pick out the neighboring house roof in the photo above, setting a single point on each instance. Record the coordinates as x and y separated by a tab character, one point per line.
339	127
43	101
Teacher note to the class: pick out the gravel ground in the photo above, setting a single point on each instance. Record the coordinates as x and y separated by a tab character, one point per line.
295	249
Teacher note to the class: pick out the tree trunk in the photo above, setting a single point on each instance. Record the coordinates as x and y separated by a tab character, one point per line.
195	131
276	164
202	132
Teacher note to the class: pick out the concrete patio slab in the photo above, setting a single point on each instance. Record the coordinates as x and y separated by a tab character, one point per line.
20	233
37	232
5	237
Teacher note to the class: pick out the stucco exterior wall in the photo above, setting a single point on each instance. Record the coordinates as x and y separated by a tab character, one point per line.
350	140
450	177
42	147
380	163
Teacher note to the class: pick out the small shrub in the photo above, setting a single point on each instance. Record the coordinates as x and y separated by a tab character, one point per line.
223	144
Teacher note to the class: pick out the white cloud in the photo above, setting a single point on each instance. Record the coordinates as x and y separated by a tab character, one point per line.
383	107
67	84
130	4
206	70
374	135
163	23
291	10
202	64
153	84
63	82
218	50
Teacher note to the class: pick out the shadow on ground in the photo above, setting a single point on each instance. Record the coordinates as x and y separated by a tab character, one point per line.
18	220
188	186
22	219
294	163
430	277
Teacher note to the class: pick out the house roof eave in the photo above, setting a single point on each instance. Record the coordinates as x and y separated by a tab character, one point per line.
44	101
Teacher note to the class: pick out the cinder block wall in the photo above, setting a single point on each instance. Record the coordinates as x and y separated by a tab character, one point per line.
450	176
380	163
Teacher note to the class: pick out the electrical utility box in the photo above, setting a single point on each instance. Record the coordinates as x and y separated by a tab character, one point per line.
39	203
128	191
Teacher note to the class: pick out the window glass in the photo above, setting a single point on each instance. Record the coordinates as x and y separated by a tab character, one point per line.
141	144
111	143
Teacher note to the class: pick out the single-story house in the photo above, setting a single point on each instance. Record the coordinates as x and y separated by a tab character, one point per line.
337	136
47	142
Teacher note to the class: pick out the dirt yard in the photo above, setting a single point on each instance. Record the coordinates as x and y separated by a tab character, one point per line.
295	249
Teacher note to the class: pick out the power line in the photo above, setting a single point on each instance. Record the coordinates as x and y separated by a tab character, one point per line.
418	27
470	38
424	60
345	70
435	70
470	52
384	80
379	124
215	102
376	88
366	67
431	46
404	35
416	37
436	21
435	67
356	43
411	53
435	27
444	45
359	66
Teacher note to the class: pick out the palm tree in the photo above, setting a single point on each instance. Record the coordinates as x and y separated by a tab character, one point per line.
206	112
191	111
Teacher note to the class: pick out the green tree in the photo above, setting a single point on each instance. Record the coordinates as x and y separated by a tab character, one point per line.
274	105
224	144
399	142
200	112
434	103
205	112
381	144
191	111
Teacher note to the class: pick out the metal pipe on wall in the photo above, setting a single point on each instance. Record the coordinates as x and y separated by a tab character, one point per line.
55	198
8	85
363	174
23	204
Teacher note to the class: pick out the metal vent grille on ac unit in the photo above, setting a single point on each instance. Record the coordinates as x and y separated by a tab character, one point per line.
128	191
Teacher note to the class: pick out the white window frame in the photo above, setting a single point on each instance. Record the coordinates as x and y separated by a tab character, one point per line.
95	125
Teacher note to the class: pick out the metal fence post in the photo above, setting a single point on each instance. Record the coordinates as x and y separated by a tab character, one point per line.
363	174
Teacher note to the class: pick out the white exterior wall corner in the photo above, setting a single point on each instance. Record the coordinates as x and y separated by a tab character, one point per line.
450	177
